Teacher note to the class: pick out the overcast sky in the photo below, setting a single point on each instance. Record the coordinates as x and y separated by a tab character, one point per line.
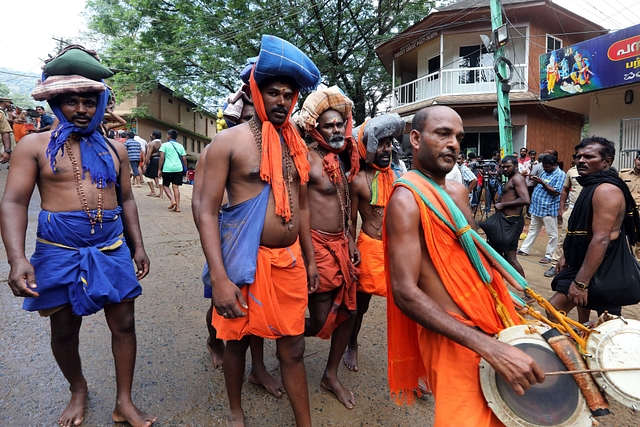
28	27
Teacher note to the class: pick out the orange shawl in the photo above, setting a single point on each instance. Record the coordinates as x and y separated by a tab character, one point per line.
271	162
382	182
463	283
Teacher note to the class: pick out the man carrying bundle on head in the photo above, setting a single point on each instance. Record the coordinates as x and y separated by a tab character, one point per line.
370	191
326	118
264	292
442	320
81	263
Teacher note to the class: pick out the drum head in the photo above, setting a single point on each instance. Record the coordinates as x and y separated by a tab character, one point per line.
540	405
617	345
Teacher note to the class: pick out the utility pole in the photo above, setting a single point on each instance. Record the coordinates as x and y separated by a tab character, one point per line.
502	83
61	44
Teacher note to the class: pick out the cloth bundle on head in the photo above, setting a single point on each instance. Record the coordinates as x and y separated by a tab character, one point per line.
314	106
235	103
368	137
294	64
67	73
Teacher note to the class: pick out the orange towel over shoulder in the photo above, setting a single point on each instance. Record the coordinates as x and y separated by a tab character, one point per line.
336	271
277	299
415	352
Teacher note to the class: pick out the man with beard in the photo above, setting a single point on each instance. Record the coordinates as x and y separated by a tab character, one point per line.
509	216
81	263
370	191
442	319
597	224
259	374
326	118
263	166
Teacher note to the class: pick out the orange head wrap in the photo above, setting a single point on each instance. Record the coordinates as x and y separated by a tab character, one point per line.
271	161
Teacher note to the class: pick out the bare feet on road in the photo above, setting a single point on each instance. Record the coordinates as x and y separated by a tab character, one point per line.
128	412
342	393
350	359
270	383
216	351
73	414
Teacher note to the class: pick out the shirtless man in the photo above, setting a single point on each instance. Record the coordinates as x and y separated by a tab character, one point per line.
259	374
515	196
68	220
327	119
375	172
238	161
152	158
456	319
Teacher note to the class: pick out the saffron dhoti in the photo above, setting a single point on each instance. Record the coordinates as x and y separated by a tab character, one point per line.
371	279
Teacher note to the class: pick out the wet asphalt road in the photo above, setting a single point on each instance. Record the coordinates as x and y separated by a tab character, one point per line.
174	377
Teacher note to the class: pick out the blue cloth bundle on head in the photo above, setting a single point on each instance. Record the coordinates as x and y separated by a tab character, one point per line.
95	155
280	58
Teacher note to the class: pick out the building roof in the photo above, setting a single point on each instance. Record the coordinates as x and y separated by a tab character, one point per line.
477	13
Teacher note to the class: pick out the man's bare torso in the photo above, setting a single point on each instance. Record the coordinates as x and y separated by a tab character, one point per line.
510	194
371	215
244	183
324	201
58	191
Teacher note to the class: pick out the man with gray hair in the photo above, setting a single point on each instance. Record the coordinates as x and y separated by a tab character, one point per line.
370	192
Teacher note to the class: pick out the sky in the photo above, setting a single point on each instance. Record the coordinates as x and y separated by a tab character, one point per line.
27	35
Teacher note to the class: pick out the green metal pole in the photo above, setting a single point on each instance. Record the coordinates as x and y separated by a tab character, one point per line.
504	109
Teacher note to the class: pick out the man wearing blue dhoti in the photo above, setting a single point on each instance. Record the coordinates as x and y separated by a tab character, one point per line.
82	262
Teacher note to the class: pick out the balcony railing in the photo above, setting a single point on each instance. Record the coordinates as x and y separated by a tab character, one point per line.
460	81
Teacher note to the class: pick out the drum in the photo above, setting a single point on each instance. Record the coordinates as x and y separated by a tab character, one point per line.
616	344
540	405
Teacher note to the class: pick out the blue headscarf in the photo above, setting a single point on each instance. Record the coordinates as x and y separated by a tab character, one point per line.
96	157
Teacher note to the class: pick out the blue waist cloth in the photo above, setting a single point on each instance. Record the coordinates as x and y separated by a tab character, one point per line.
240	231
73	266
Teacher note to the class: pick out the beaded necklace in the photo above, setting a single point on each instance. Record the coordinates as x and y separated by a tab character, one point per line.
93	219
374	208
345	206
288	166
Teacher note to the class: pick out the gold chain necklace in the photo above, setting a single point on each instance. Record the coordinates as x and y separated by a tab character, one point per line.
374	208
345	206
288	166
93	219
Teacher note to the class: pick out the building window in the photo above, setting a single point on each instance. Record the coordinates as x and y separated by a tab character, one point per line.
211	121
193	145
184	142
199	146
434	66
553	43
188	110
170	100
474	57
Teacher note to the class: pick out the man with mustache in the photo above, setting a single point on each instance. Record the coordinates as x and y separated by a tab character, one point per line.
544	207
604	213
370	191
326	118
442	319
81	263
263	166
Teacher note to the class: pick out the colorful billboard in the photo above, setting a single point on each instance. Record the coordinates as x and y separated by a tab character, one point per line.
602	62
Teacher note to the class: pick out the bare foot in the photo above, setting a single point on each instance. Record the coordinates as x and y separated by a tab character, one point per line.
216	351
129	413
172	206
345	396
152	195
423	387
73	414
350	359
176	209
159	196
235	419
270	383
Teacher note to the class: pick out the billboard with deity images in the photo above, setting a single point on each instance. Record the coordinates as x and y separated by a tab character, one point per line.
602	62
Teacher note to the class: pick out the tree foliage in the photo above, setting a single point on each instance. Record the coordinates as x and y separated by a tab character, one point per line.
199	47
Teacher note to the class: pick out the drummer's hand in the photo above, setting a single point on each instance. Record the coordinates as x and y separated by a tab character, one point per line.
576	296
561	264
515	366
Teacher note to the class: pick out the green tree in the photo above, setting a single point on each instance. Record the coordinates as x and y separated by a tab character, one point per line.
198	47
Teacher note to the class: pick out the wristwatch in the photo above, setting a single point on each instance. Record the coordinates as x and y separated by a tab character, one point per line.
581	286
8	151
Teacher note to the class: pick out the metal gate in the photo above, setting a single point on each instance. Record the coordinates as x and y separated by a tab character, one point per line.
629	143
